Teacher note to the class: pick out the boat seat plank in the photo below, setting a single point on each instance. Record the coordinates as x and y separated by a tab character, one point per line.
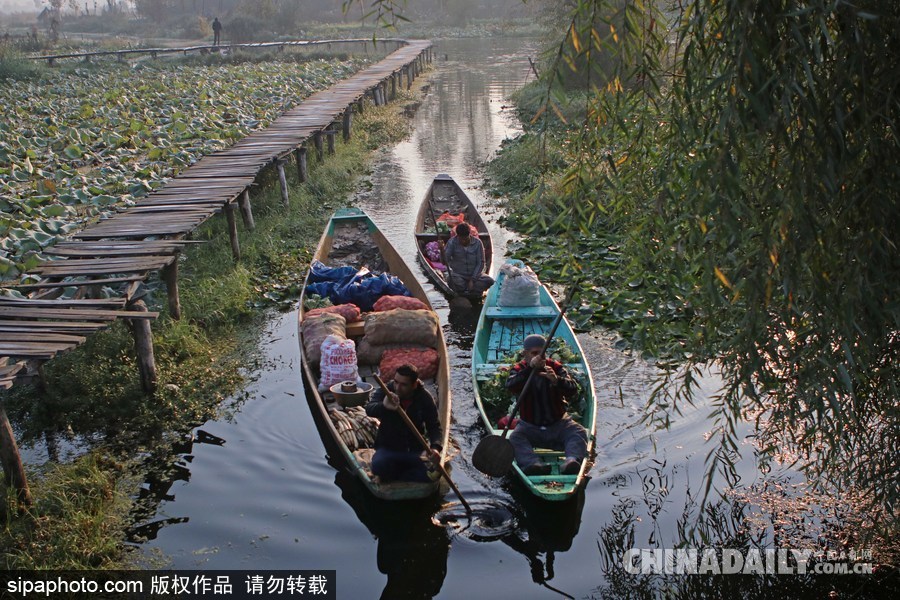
521	312
494	341
502	339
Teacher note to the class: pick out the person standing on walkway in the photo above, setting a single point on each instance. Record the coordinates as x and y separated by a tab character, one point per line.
217	31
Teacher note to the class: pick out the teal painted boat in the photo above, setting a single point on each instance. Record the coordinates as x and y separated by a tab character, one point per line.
352	238
498	342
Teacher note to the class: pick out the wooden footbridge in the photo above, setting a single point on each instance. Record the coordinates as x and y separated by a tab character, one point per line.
124	250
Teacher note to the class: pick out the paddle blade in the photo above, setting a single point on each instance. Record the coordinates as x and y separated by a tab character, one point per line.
493	456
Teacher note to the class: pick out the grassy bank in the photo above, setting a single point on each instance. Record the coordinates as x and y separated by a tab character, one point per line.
92	395
528	174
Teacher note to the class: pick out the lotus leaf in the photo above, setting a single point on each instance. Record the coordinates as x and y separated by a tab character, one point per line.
129	138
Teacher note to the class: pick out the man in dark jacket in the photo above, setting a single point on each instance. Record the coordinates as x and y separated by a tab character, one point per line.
398	453
543	420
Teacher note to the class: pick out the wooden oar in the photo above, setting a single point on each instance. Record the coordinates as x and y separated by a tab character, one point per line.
494	454
426	446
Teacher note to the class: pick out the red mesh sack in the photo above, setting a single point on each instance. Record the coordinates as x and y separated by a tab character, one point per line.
350	312
406	302
424	359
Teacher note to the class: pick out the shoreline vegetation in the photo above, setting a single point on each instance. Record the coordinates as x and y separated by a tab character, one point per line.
91	399
799	515
692	263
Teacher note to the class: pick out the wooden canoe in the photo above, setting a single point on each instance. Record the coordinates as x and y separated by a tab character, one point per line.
445	195
498	343
354	224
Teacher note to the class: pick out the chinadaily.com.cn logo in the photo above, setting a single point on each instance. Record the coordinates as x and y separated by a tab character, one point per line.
752	561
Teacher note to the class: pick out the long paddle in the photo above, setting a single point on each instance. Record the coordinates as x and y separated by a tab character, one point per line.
494	454
425	445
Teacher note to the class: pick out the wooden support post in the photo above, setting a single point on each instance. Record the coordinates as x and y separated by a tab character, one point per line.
361	105
246	211
282	179
330	134
13	471
393	86
409	77
143	345
170	277
302	169
317	140
232	231
347	123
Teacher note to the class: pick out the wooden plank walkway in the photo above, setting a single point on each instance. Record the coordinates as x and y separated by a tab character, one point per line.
206	48
128	247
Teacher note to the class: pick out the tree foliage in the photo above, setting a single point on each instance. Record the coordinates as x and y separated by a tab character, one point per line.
750	150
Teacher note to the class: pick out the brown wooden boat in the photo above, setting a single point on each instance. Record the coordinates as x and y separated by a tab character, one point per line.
444	195
352	237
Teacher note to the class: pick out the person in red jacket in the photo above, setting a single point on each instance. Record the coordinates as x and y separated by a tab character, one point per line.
544	421
398	455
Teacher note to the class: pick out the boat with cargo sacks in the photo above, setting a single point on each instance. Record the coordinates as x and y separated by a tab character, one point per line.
363	314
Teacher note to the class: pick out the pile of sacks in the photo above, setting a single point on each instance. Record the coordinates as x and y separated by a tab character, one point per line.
399	330
325	343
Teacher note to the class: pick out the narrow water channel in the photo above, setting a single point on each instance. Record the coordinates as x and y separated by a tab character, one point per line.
255	489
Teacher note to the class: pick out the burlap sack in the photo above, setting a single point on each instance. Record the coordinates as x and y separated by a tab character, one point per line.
316	328
424	359
409	327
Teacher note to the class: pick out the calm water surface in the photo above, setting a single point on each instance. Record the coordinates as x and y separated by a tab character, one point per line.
257	490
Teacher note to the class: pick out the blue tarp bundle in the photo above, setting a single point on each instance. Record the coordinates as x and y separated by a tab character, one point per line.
347	284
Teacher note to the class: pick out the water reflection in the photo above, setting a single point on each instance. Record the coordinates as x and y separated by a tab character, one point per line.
463	320
720	525
547	528
412	551
163	470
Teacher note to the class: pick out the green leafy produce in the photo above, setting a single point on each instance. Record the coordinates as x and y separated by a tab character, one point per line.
498	401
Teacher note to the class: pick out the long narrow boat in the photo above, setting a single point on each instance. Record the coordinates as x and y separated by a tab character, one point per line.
498	342
352	238
445	196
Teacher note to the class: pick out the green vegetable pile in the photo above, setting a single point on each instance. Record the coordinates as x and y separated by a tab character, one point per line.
498	401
